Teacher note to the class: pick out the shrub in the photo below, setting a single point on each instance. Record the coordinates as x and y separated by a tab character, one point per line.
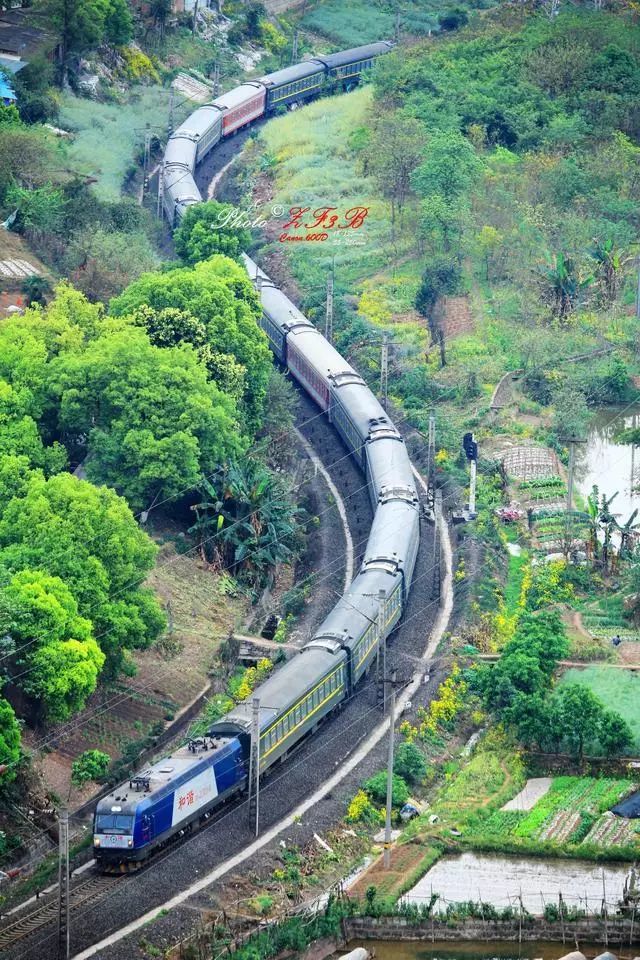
376	787
410	763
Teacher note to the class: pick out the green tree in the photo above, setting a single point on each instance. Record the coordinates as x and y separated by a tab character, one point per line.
40	210
170	326
542	635
410	763
82	25
376	787
210	228
218	293
101	263
450	167
392	154
90	765
609	262
56	659
614	734
441	277
582	715
9	743
515	673
148	420
87	537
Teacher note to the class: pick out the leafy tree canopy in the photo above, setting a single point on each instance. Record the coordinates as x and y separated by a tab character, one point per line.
410	763
151	421
219	294
209	228
9	742
83	25
90	765
88	537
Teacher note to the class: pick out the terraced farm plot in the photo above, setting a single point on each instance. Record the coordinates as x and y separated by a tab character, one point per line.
573	814
618	690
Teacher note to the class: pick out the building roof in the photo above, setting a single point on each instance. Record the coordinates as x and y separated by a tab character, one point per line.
11	64
6	90
23	35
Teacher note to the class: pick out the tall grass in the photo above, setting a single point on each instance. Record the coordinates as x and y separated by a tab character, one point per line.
109	135
315	167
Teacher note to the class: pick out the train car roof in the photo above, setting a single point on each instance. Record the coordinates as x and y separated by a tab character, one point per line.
357	609
355	54
289	74
392	530
363	408
237	96
198	122
390	465
280	692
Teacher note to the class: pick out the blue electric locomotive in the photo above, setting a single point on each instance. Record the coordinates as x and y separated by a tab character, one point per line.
166	800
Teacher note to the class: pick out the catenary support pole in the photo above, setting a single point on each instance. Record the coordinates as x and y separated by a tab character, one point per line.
254	765
387	824
63	884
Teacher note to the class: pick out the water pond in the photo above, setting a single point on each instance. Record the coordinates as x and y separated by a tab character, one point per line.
469	950
611	466
501	880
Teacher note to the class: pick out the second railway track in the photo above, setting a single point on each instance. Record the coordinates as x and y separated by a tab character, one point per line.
83	894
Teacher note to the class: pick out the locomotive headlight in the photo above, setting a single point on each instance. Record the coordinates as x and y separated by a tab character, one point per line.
130	842
96	841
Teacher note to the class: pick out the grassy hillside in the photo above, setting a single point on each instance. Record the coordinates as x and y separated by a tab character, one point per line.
363	21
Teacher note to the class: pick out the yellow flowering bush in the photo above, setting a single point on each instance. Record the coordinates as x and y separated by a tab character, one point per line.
138	66
441	457
447	704
374	305
361	810
251	678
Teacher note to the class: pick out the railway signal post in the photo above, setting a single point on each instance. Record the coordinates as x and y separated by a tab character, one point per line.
63	884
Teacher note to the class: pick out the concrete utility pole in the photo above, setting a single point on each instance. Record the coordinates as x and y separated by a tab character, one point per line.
146	162
160	204
171	108
381	655
384	370
294	46
216	79
387	824
63	884
436	586
328	321
431	462
195	18
254	765
638	291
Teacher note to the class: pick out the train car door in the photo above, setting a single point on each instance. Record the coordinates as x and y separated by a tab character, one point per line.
148	831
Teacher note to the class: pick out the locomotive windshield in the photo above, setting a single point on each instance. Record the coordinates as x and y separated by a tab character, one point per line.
112	823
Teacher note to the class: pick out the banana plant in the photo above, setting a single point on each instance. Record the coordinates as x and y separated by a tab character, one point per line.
246	522
609	265
564	284
609	524
626	531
